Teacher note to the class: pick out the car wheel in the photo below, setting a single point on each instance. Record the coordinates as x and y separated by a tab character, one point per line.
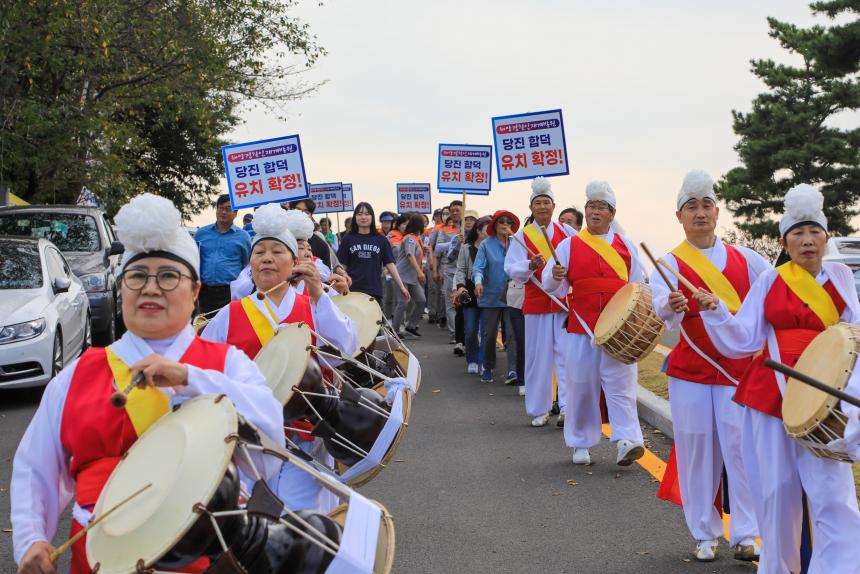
88	334
57	357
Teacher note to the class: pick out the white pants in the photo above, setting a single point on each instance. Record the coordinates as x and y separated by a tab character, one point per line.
778	468
708	426
545	336
594	370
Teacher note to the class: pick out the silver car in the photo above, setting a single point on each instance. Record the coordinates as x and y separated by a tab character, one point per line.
845	250
44	312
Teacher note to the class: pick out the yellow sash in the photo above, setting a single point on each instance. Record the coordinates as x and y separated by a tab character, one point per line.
144	406
606	252
262	326
804	285
717	283
535	235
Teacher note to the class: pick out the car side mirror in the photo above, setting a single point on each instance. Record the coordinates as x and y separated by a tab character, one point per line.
116	248
61	285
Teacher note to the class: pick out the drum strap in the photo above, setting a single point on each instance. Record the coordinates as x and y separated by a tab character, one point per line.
707	359
357	552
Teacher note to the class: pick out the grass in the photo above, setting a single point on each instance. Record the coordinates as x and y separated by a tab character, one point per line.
656	381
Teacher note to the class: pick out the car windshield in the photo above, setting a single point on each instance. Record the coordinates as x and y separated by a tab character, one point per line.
848	247
68	231
20	267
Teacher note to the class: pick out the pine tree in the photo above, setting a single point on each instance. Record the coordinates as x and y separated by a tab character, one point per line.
789	136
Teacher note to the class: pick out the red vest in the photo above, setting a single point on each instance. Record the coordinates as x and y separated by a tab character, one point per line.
684	362
795	325
592	281
96	434
241	334
535	301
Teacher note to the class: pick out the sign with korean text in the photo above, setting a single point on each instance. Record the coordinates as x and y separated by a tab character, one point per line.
328	197
265	171
464	167
347	198
413	198
529	145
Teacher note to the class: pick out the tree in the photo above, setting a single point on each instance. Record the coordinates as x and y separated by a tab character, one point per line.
123	96
789	136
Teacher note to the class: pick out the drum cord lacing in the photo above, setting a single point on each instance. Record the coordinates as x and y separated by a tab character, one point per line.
338	438
323	541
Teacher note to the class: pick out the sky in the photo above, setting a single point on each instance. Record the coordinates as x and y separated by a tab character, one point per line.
646	89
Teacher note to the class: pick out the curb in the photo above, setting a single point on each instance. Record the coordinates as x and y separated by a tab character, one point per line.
653	409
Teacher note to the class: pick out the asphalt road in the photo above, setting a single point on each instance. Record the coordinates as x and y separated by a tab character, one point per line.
475	489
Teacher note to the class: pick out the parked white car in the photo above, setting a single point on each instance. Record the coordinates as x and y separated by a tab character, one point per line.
44	312
845	250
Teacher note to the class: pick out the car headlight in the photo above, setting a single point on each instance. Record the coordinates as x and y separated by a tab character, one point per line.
21	331
94	282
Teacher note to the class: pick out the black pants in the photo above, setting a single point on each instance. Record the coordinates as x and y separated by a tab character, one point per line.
459	332
492	317
213	297
518	337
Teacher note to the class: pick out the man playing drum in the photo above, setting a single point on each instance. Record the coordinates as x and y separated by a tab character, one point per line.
706	422
251	322
782	313
594	265
544	319
78	436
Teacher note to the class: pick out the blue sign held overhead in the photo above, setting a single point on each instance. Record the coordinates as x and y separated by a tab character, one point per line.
529	145
265	171
465	167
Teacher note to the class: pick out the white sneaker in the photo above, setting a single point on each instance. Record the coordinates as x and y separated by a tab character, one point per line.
581	456
473	369
747	550
541	420
522	390
629	451
706	551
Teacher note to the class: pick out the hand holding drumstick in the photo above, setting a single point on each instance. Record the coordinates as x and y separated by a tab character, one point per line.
706	301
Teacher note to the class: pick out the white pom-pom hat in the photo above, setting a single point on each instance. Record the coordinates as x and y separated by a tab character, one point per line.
151	226
300	224
600	191
803	204
697	184
271	222
541	187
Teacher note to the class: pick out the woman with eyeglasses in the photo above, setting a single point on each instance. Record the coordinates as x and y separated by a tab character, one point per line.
77	437
464	296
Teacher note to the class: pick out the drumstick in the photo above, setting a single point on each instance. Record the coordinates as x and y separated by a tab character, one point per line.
119	399
68	543
523	243
683	280
262	294
656	266
812	382
549	242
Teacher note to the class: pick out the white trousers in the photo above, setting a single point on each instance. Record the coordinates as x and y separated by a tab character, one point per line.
708	426
297	489
593	370
778	468
545	343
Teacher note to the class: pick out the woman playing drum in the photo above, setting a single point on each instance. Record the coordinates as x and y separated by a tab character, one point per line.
783	311
77	435
251	322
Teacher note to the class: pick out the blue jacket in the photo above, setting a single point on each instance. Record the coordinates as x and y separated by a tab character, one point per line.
489	271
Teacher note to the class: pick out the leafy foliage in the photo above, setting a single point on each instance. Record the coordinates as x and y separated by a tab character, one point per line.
787	139
125	96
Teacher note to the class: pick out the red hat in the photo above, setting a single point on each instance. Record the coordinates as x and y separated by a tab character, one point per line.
491	227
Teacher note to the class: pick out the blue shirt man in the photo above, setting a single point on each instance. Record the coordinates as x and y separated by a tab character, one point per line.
225	250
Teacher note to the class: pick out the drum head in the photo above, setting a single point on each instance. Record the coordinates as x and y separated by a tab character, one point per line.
616	312
385	542
284	359
184	457
830	358
365	313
